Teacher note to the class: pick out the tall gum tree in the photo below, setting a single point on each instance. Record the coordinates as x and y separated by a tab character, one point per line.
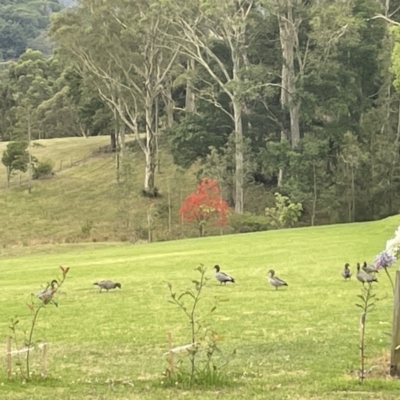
202	24
289	20
125	46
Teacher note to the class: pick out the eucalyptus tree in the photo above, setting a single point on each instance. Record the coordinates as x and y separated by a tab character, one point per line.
124	47
290	15
214	34
308	34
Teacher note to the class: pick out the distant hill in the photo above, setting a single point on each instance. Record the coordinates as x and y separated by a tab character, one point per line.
24	24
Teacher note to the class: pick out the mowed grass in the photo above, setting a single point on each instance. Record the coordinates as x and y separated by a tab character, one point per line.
300	342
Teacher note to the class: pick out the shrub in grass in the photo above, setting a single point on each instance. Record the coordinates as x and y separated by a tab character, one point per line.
285	214
205	205
43	169
248	222
87	227
202	370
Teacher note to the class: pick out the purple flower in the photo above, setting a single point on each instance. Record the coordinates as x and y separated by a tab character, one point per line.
384	260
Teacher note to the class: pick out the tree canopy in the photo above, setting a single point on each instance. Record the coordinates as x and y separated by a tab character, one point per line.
292	97
23	24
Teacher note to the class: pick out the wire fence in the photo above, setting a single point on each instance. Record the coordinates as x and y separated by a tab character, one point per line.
22	179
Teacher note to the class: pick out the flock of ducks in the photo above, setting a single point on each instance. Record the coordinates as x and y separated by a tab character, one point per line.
223	278
364	273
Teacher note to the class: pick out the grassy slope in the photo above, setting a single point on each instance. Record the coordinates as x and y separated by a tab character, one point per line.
299	342
53	210
58	208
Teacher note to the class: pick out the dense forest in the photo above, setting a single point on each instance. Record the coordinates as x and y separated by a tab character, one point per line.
291	96
24	24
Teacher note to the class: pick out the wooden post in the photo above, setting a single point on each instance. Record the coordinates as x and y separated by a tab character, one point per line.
171	354
8	357
395	349
44	357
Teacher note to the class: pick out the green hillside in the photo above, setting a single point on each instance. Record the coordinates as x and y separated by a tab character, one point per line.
300	342
82	201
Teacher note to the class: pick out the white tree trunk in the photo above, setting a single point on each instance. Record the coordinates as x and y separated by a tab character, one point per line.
169	105
150	146
239	173
190	100
288	32
237	117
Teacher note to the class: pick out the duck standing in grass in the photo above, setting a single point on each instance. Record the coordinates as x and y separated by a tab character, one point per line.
107	285
222	277
363	277
369	269
46	295
274	280
346	273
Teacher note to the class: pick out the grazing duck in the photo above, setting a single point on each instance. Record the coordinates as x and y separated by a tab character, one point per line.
46	295
368	268
107	285
274	280
222	276
363	277
346	273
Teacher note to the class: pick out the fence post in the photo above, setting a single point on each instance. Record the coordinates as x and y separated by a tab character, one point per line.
395	348
8	357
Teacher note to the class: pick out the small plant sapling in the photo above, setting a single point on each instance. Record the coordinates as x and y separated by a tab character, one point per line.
47	296
203	339
367	304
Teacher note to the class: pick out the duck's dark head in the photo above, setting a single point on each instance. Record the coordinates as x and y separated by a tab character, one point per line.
346	266
217	268
271	272
358	266
53	283
118	285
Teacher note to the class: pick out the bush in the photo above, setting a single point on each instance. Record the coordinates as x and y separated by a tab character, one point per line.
248	222
43	169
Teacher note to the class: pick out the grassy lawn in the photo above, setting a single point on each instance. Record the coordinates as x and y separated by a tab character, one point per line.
300	342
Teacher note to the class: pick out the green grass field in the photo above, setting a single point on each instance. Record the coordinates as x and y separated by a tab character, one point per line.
300	342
